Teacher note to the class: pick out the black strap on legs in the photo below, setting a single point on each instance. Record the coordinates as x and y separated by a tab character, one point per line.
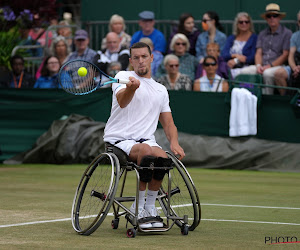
162	163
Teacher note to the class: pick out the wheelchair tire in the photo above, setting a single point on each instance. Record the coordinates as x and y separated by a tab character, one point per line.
184	196
95	193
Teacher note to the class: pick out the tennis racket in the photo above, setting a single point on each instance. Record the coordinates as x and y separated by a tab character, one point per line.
86	80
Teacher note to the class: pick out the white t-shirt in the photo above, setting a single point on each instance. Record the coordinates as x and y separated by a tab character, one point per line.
139	118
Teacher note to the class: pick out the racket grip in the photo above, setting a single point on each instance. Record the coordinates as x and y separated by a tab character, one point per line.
125	81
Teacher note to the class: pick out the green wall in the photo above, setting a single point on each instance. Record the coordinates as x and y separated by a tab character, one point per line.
171	9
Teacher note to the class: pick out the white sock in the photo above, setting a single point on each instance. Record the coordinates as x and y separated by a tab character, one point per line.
151	198
142	198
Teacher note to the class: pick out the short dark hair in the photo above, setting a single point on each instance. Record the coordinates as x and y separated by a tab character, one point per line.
210	57
139	45
15	57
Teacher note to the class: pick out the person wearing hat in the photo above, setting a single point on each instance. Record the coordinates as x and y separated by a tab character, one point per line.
81	40
146	23
272	47
291	73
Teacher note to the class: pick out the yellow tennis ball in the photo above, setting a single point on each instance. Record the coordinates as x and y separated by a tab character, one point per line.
82	71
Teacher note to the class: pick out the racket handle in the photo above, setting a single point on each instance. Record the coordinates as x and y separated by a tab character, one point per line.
125	81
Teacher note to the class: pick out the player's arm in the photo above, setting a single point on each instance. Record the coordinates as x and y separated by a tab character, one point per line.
124	96
170	129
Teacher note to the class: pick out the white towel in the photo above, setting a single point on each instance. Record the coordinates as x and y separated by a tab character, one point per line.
243	113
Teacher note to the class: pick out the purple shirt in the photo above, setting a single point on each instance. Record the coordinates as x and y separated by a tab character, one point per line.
273	44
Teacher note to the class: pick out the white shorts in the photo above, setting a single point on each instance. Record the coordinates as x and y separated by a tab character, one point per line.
127	145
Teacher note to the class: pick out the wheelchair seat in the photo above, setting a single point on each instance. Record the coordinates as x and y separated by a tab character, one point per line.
122	156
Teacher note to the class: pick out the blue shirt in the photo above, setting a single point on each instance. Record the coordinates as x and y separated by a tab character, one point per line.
203	40
47	82
157	60
295	40
248	50
157	38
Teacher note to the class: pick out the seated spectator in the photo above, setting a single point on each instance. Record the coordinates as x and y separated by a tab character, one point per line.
39	34
49	74
82	51
272	47
212	34
146	23
174	80
291	72
18	77
117	25
239	49
187	27
65	30
213	49
114	53
157	55
60	49
26	39
112	69
211	82
187	63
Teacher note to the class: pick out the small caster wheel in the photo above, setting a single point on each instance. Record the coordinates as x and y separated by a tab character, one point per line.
131	232
185	230
115	223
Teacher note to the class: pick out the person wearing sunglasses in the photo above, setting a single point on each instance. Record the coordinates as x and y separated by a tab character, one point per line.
211	82
211	34
187	63
187	27
272	47
290	75
174	80
240	47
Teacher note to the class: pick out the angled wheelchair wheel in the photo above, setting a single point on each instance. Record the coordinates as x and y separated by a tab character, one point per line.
184	196
95	193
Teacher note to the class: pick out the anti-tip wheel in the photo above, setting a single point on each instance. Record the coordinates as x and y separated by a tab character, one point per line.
131	233
185	230
115	223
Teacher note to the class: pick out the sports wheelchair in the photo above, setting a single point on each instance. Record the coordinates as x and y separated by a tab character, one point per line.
106	176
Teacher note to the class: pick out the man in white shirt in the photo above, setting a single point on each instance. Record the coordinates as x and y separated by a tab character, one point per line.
136	109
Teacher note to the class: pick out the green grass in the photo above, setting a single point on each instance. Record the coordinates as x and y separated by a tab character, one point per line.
31	193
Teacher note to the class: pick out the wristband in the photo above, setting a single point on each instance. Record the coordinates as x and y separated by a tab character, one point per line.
236	60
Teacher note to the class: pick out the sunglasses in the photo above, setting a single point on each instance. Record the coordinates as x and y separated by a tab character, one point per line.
206	20
174	65
183	44
246	22
209	64
272	15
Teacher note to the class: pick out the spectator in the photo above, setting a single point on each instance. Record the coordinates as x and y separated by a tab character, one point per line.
187	27
239	49
112	69
18	77
212	34
211	82
117	25
272	47
291	72
49	74
114	53
39	34
60	49
174	80
157	55
26	39
213	49
187	63
64	29
146	23
83	52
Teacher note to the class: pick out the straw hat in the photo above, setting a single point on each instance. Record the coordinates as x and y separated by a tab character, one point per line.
273	8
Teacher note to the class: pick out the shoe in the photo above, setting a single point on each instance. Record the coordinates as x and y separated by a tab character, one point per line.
152	210
142	213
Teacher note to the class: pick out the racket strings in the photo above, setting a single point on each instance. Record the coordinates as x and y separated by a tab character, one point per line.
75	84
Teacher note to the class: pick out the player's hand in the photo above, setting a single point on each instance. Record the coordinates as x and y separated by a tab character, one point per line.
178	151
231	63
134	83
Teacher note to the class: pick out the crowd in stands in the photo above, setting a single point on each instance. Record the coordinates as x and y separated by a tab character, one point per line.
189	59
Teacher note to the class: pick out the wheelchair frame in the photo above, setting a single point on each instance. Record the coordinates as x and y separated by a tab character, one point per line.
96	194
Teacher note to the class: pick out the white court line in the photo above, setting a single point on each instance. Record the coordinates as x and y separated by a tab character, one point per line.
228	205
185	205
